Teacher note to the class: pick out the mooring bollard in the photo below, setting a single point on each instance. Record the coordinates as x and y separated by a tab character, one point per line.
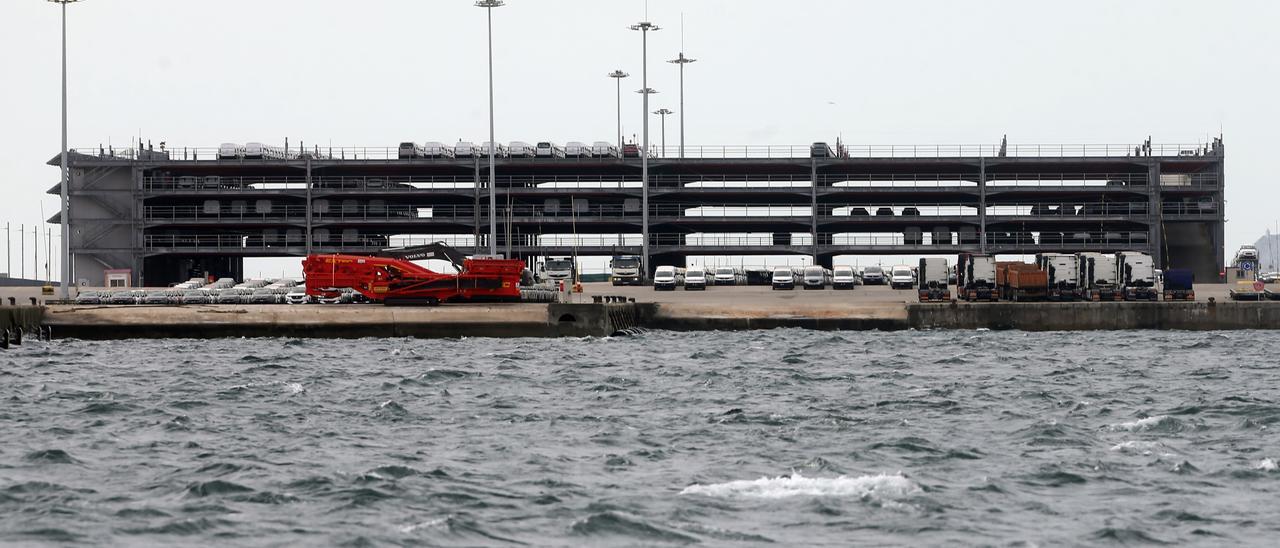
33	301
13	301
596	299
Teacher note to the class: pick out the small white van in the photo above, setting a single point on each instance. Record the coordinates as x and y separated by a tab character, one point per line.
784	278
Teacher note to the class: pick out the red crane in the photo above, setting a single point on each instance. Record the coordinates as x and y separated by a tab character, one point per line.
390	277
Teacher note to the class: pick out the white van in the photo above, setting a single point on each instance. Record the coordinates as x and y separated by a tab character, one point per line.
577	149
409	150
902	277
843	277
667	278
498	149
520	149
816	277
604	149
254	150
784	278
695	278
728	275
436	149
229	151
464	149
547	149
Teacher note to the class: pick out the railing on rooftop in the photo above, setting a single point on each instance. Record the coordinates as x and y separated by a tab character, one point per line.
782	152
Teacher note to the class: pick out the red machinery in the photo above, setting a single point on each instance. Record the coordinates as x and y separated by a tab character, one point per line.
390	277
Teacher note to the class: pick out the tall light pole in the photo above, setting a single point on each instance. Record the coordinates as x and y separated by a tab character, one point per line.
618	75
644	27
663	113
63	290
682	61
488	6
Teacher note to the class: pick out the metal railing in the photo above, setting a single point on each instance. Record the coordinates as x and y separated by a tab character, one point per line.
277	242
350	210
785	152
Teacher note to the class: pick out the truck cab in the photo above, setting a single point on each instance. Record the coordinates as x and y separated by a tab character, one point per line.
559	269
933	285
624	270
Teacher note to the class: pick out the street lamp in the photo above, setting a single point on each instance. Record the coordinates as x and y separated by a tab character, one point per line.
682	61
663	113
618	75
488	6
644	27
63	290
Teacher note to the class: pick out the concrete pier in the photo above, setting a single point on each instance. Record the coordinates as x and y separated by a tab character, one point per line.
579	320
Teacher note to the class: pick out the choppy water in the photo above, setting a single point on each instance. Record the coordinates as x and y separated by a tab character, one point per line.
784	437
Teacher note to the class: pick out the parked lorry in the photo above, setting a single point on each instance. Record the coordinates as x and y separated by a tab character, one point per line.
1097	277
933	285
625	270
1179	285
1020	281
976	278
1137	276
1061	270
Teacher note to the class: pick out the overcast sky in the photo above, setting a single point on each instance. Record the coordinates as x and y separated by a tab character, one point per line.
376	72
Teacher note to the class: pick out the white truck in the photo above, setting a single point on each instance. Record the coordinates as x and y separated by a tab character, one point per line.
1137	276
783	278
1096	277
624	270
934	275
1062	269
976	278
559	269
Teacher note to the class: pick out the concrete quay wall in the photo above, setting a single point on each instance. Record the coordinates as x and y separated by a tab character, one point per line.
212	321
1193	316
579	320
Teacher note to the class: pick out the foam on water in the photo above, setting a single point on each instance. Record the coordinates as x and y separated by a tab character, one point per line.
1266	465
879	487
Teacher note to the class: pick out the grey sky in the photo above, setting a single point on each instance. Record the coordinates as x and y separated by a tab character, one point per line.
375	72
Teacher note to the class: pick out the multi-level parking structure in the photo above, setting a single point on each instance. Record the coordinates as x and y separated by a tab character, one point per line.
167	215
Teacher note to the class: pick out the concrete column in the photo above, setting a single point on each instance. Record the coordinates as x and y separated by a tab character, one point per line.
308	208
813	204
1155	228
982	204
475	210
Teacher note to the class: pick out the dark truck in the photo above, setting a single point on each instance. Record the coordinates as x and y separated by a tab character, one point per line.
1179	285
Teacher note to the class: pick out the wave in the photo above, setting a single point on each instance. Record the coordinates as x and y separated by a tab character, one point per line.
1266	465
216	487
880	487
50	456
1157	423
616	524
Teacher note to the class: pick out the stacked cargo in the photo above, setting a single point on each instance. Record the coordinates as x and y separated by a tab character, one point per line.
1020	281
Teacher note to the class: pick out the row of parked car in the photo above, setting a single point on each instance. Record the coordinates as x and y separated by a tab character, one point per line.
517	149
221	291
